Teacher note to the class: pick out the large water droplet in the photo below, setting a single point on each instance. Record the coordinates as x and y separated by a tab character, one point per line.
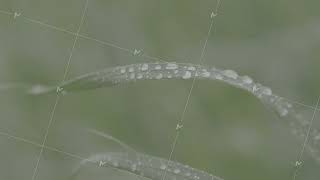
115	164
132	76
134	167
267	91
131	69
144	67
176	171
123	70
37	89
230	74
218	76
206	74
247	79
191	68
159	76
283	112
187	75
163	166
317	138
171	66
158	67
139	76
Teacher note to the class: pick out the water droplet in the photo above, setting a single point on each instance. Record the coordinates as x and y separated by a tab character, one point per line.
132	76
159	76
163	166
134	167
115	164
169	76
158	67
206	74
176	71
123	70
131	69
37	89
191	68
176	171
171	66
144	67
187	75
109	158
272	99
219	77
283	112
267	91
246	79
230	74
317	137
139	76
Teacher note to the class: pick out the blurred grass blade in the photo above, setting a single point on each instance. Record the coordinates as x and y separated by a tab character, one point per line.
172	71
146	166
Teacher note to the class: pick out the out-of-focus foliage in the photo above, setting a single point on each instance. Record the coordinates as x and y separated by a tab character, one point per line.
226	132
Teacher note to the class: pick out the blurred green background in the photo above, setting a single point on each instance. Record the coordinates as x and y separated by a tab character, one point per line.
226	131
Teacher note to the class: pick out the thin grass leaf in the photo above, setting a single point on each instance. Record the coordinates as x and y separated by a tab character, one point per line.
172	71
141	165
146	166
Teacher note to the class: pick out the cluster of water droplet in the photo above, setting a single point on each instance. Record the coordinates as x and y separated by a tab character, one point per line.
149	166
185	71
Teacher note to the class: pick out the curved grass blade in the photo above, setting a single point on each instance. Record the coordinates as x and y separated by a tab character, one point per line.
141	165
147	166
157	71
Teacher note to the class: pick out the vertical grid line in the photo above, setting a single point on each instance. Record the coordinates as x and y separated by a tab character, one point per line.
58	94
299	161
173	146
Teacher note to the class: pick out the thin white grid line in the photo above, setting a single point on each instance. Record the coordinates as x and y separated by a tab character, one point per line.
6	12
48	25
124	49
40	145
61	152
45	136
58	95
119	47
299	161
82	36
180	123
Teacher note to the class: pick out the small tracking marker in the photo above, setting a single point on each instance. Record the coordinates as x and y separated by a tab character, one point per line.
102	163
59	89
137	52
179	126
16	14
213	14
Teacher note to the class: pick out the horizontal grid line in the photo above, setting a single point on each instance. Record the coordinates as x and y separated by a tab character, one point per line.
121	48
53	149
82	36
